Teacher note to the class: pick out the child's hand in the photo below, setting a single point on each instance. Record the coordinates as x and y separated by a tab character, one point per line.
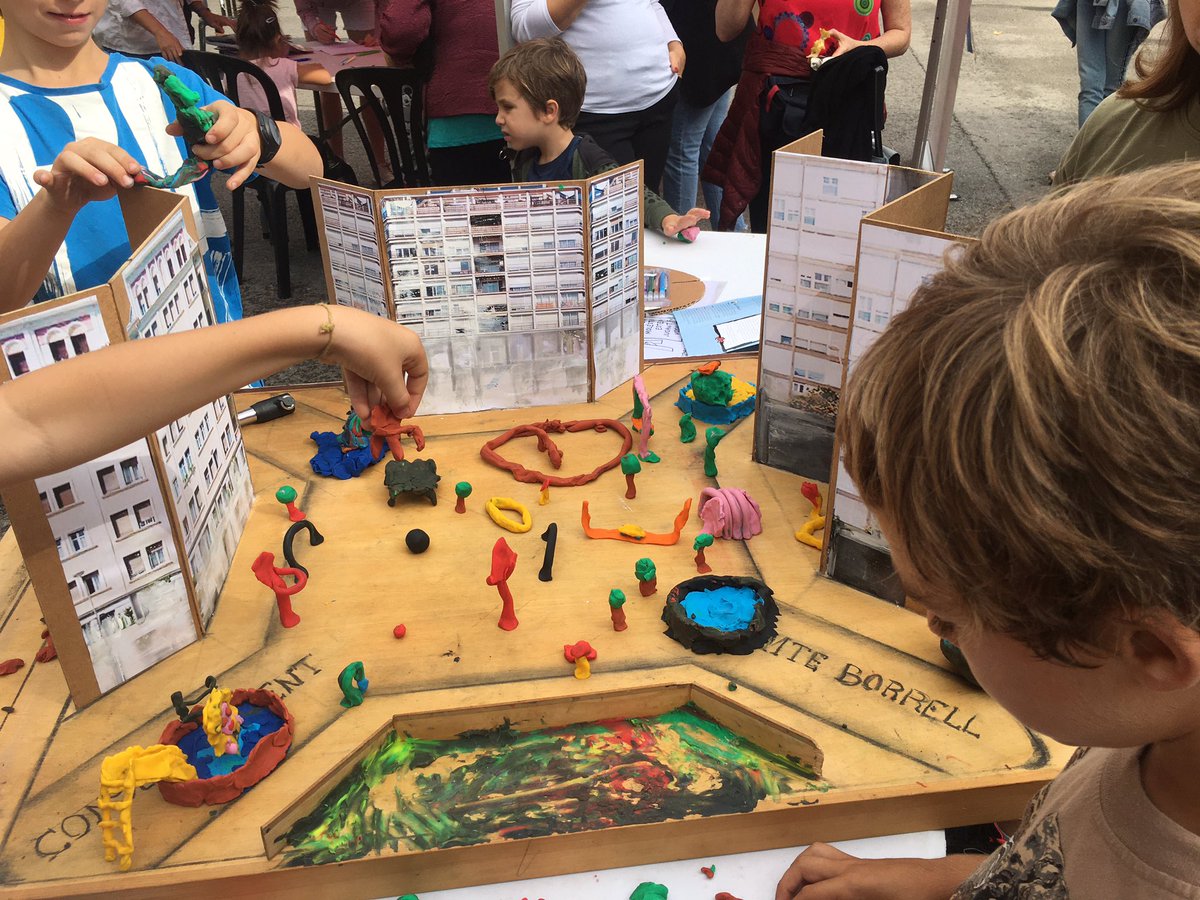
380	359
673	225
370	40
86	171
823	872
231	143
326	34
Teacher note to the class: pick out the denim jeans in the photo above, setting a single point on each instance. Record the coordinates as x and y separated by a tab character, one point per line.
1102	54
692	134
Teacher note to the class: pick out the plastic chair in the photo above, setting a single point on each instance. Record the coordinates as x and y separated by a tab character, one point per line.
222	73
401	114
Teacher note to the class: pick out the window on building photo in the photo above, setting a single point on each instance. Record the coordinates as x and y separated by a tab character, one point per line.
73	588
45	502
131	470
144	513
93	583
79	343
64	495
155	555
58	350
135	565
120	523
78	539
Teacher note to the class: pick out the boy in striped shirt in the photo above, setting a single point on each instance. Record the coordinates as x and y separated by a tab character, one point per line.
78	124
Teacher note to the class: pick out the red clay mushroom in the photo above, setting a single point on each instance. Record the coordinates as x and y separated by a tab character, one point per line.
580	653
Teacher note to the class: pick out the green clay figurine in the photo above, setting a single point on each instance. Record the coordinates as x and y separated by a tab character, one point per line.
687	429
463	490
712	437
649	890
647	576
195	123
353	682
630	466
616	600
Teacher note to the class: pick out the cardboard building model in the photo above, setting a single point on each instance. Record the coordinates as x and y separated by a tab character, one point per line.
128	553
847	245
523	294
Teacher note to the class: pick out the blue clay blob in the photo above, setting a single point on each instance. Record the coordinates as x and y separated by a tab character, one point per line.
258	722
725	608
714	415
333	463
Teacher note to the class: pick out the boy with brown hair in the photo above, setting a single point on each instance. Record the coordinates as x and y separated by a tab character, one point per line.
538	87
1027	433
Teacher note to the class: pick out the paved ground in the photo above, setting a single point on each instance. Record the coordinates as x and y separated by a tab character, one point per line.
1014	115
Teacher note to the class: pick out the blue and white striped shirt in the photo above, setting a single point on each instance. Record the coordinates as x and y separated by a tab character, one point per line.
126	108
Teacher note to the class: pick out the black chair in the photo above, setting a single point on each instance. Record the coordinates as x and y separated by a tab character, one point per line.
401	114
222	73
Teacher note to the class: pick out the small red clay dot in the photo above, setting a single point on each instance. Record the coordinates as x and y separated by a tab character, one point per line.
399	631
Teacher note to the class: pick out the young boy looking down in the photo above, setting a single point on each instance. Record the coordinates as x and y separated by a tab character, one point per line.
78	124
1028	433
538	87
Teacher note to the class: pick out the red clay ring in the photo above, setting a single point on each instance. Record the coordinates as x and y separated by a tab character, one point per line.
546	445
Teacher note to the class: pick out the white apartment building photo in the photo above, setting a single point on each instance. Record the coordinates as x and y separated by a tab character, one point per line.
109	520
202	452
892	264
817	205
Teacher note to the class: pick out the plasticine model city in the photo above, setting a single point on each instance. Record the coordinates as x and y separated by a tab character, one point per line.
225	739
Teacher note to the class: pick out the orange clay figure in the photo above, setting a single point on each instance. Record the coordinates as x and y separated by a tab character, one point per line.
635	534
544	496
264	570
386	428
703	541
616	599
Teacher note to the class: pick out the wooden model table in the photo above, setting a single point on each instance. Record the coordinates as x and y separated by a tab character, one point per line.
907	744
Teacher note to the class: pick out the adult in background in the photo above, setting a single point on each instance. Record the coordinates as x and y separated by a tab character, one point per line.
455	41
706	91
1150	121
319	18
633	60
1106	33
790	34
145	28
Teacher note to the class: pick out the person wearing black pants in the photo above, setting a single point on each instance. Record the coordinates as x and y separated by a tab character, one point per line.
644	135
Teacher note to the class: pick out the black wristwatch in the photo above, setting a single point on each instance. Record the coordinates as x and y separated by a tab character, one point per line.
269	140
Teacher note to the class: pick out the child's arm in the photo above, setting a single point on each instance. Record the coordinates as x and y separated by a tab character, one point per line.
660	215
86	170
233	144
214	21
313	73
72	411
835	875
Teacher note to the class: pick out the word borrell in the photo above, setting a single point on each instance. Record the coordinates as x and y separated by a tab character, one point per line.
923	705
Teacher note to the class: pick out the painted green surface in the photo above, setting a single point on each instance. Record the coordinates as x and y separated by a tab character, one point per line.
411	794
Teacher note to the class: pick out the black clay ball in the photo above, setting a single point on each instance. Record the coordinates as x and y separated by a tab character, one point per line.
417	540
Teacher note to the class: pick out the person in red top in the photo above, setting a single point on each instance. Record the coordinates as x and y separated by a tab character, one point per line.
790	36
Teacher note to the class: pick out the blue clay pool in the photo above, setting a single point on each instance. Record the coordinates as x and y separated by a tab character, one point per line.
724	608
258	722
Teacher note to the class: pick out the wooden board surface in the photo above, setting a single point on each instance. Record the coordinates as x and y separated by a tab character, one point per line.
906	743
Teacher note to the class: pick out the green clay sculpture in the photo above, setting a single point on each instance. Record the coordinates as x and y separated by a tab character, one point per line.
353	682
712	437
630	466
195	123
714	388
687	429
649	890
463	491
647	575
